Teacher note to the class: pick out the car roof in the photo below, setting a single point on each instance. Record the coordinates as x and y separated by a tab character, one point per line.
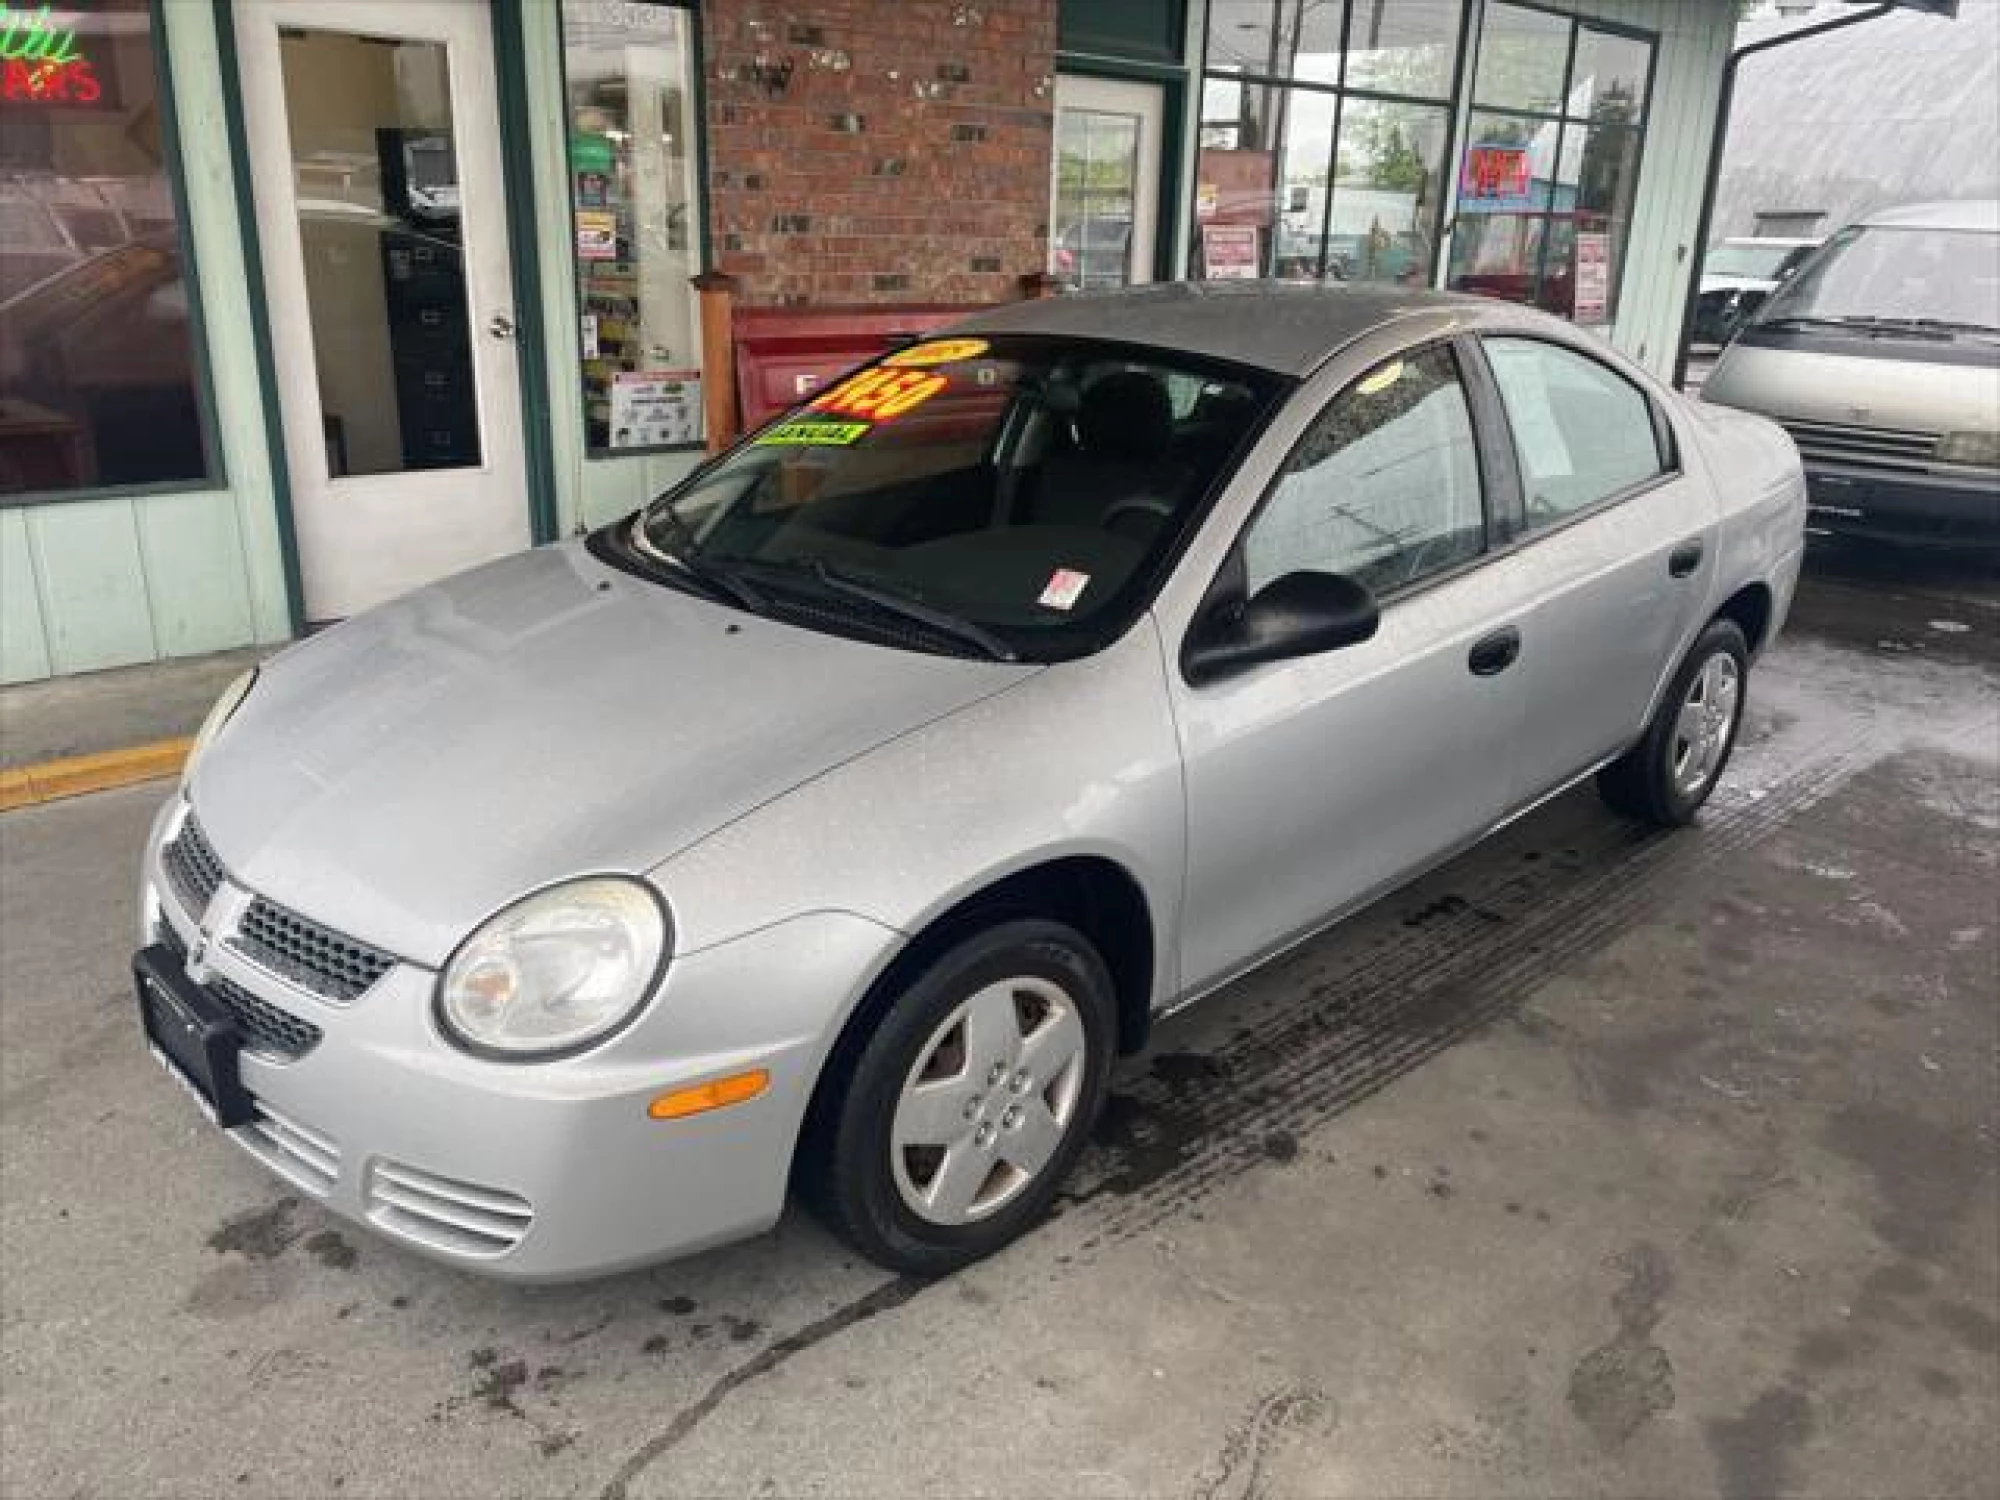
1286	326
1768	239
1967	213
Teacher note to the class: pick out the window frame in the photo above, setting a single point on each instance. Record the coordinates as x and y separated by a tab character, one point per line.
1666	445
1457	82
1498	488
200	367
1564	122
700	242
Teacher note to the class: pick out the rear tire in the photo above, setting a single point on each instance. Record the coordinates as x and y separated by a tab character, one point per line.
1669	774
966	1107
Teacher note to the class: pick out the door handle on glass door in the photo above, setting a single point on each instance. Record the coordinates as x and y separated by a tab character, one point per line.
500	326
1495	654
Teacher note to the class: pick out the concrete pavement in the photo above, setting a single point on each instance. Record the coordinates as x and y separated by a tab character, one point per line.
1600	1162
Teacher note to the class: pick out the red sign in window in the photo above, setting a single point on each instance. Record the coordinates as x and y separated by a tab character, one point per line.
1497	172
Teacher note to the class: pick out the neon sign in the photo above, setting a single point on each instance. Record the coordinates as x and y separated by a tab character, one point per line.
40	63
1497	172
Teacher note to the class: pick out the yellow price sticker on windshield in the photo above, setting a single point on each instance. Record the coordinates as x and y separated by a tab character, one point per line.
810	434
937	352
1382	379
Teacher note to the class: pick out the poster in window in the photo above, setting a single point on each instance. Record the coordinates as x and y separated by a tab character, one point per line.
596	234
1593	276
1229	252
651	408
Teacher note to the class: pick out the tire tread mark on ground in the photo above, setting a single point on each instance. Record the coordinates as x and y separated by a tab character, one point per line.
1367	1022
884	1298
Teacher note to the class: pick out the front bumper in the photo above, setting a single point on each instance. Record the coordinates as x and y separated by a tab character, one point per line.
1928	509
552	1171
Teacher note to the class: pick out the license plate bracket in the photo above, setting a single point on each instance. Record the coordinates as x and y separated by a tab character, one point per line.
192	1035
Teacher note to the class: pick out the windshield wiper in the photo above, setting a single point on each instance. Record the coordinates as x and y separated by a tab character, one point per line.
941	620
1940	325
686	559
1798	321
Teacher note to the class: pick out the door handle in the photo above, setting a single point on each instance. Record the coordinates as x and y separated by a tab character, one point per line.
1684	559
1495	654
500	326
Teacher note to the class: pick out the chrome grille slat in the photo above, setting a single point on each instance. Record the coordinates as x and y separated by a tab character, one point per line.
441	1211
288	1148
192	868
490	1200
1838	442
316	958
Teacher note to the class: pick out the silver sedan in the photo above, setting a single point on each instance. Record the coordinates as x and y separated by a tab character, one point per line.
838	818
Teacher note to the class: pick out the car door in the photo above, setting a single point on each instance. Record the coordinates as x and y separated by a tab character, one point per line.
1316	782
1621	541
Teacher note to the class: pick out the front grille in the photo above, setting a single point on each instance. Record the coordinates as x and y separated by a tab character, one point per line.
460	1217
292	1150
1867	447
314	957
266	1028
192	868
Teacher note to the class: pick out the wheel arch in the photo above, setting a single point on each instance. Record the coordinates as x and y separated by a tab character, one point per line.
1751	607
1097	895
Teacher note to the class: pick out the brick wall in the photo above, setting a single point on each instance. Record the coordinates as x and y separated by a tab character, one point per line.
907	159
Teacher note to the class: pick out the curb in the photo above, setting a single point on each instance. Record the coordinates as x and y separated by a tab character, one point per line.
73	776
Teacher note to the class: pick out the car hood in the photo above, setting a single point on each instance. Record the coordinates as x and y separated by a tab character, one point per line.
409	772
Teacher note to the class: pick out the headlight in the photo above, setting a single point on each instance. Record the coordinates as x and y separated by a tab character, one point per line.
1978	448
555	971
231	700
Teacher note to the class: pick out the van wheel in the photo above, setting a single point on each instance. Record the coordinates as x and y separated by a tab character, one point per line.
1669	774
971	1101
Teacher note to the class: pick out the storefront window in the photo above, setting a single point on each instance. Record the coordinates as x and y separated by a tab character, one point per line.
1097	162
99	384
1324	139
1551	162
633	179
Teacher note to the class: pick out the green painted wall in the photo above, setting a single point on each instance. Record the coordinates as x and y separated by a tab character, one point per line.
86	584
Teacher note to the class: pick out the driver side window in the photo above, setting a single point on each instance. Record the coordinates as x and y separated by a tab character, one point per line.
1384	487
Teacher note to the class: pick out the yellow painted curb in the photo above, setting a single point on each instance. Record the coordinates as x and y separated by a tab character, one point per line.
52	780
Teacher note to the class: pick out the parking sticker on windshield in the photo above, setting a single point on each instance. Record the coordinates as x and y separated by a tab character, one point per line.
804	432
1065	587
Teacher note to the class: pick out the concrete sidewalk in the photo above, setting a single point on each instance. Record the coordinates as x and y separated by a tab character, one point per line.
99	712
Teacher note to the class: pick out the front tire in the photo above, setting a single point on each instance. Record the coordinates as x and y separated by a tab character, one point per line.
971	1100
1671	772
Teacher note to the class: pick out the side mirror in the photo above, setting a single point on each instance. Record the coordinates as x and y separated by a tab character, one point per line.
1300	614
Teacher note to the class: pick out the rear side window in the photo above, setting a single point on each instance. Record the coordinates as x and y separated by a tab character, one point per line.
1583	432
1383	488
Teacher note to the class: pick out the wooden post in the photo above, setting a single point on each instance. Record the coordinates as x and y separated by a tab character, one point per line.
1038	284
718	357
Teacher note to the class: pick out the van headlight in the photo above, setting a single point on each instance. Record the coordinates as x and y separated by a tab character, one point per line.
1980	449
556	971
225	706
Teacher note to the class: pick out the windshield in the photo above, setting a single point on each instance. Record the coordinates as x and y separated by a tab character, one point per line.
1760	262
1944	276
1002	496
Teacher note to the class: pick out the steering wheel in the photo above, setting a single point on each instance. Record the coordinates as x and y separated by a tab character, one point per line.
1140	505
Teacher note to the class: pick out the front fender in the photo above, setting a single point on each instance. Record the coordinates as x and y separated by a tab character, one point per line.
1081	760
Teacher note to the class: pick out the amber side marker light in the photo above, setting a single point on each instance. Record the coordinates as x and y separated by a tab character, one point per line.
717	1093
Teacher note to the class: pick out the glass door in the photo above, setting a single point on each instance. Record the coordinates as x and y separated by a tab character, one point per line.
1104	195
374	146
